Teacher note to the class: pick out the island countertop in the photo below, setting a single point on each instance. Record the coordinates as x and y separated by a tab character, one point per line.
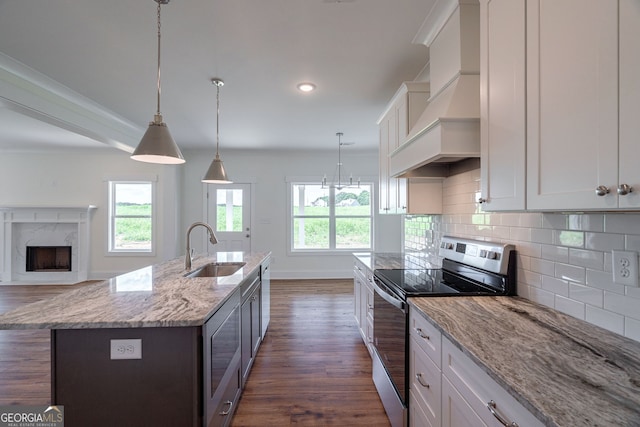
153	296
567	372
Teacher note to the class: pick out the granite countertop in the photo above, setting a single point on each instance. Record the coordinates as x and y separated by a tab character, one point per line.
154	296
567	372
395	260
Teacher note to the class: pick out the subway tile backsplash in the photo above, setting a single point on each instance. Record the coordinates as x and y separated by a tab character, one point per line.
564	259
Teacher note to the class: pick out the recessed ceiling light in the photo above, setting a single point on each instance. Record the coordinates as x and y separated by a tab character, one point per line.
306	87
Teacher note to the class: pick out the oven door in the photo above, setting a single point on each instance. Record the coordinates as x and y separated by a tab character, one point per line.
390	318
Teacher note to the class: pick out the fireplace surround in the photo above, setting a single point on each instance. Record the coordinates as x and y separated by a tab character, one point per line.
45	227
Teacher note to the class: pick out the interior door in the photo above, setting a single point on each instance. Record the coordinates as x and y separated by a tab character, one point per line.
229	212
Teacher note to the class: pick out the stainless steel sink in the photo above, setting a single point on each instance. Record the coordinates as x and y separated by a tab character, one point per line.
216	269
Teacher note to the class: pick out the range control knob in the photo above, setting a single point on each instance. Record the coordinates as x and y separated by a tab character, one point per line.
448	246
483	253
492	255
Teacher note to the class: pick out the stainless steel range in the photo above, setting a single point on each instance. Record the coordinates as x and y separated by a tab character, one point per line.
469	268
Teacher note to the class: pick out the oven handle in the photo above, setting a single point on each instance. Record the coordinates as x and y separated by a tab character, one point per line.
385	294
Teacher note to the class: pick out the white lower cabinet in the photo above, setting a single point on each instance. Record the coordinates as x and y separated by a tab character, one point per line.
490	402
448	389
363	301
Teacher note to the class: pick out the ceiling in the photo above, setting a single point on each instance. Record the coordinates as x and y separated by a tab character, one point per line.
357	52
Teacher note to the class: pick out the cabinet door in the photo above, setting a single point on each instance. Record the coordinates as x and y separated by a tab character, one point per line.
572	103
629	95
383	167
502	102
456	412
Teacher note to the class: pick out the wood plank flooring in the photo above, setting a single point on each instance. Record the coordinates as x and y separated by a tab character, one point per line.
25	356
312	368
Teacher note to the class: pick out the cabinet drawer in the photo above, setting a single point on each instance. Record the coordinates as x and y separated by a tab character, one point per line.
478	389
425	382
427	336
227	405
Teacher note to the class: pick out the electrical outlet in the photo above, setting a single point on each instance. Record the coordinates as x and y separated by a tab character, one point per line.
625	267
126	349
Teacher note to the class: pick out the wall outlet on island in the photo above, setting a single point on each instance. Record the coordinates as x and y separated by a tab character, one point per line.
126	349
625	267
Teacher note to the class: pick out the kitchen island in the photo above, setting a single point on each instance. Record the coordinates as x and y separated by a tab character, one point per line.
150	347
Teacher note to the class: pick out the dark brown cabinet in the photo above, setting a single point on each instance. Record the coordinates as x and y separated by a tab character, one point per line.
251	331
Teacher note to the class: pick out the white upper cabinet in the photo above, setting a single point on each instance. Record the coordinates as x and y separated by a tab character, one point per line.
577	150
560	104
502	104
403	110
629	135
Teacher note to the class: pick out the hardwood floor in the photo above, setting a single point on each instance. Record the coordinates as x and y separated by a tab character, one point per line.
312	368
25	356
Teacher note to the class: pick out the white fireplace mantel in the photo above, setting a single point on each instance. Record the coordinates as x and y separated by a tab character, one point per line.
44	225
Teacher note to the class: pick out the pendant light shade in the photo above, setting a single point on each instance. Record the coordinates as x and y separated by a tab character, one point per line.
216	173
157	145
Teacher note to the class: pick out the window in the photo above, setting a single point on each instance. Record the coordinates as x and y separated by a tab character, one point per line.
131	209
330	219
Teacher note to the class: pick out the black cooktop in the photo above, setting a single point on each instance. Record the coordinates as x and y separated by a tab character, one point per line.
461	280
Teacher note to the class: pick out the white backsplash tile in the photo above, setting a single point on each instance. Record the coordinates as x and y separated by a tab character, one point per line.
605	319
632	328
564	259
570	307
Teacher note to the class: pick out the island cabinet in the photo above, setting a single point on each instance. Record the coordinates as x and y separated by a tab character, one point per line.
166	376
251	331
363	301
265	294
569	121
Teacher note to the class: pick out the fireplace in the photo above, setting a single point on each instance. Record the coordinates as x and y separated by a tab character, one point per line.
45	244
48	258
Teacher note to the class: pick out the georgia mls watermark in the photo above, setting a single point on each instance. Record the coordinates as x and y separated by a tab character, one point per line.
31	416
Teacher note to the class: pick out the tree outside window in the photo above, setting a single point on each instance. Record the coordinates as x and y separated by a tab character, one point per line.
131	216
327	218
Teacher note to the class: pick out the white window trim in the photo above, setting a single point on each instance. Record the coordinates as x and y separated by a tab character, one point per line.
132	179
291	181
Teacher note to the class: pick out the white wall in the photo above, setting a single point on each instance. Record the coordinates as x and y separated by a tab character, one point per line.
268	171
564	259
77	177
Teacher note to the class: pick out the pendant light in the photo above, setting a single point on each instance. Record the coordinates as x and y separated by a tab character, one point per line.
157	145
216	173
337	181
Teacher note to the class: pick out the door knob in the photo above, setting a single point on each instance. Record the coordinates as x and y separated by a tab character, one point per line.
624	189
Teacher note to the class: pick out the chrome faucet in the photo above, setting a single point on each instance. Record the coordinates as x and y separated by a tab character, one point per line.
212	239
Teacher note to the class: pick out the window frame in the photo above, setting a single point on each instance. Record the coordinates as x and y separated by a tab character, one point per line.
332	249
111	218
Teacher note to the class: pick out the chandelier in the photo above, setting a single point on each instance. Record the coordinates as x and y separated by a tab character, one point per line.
340	179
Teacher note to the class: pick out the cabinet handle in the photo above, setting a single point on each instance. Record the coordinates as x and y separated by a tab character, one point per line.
601	190
420	380
228	411
422	334
482	200
624	189
491	405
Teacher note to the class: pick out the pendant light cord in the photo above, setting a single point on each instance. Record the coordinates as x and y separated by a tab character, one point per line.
217	119
159	90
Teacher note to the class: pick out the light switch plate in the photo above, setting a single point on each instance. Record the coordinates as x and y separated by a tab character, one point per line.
625	267
126	349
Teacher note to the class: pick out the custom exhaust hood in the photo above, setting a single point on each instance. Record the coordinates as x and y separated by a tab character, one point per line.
448	131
